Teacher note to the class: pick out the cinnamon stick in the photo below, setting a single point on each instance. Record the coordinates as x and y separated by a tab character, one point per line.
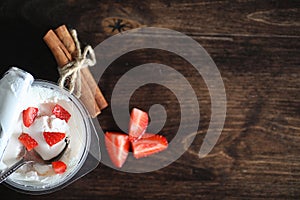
59	51
101	101
62	57
66	38
87	98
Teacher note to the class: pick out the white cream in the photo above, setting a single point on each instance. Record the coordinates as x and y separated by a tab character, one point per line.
14	87
47	124
40	175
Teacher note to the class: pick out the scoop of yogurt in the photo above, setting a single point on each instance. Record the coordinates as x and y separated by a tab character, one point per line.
45	123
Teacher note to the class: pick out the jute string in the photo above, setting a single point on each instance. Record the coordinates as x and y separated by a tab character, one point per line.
71	71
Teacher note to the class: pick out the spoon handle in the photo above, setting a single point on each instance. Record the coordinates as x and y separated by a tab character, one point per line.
11	170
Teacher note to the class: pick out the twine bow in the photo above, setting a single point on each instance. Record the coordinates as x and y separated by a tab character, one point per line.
72	69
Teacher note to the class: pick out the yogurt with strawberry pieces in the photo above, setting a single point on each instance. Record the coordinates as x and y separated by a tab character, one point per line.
48	117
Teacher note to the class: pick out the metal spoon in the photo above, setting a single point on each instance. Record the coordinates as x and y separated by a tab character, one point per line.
30	157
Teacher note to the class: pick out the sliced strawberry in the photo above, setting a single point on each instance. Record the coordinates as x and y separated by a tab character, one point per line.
148	145
29	115
117	145
138	124
27	141
59	167
61	113
53	137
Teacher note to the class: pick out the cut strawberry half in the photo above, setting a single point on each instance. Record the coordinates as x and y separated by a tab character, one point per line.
27	141
117	145
61	113
149	144
53	137
29	115
59	167
138	124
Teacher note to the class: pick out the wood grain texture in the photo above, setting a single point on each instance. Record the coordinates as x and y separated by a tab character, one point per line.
255	45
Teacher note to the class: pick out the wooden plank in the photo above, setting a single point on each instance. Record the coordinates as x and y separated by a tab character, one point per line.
255	45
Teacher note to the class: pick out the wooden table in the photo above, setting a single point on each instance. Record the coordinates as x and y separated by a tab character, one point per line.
255	45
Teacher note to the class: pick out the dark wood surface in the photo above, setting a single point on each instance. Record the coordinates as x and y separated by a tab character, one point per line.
255	45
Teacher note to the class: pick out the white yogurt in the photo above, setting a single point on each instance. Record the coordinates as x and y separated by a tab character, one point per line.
45	98
14	87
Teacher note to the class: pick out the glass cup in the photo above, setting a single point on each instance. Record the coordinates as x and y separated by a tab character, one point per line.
87	151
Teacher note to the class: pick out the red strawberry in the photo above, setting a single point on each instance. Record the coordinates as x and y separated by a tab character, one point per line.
117	145
138	124
53	137
149	144
59	167
29	115
27	141
61	113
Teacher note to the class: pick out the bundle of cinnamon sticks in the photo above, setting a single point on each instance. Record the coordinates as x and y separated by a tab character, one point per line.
63	48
